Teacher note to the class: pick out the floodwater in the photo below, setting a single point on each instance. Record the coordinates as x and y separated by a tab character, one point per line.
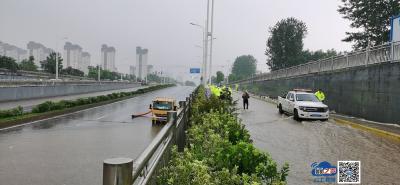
69	150
302	143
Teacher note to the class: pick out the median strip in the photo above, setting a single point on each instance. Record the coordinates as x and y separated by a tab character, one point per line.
49	109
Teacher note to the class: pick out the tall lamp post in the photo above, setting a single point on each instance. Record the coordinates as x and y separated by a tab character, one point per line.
204	65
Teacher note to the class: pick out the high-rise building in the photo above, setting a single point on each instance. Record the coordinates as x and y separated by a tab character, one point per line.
108	57
38	51
13	51
132	70
85	63
74	57
141	63
150	69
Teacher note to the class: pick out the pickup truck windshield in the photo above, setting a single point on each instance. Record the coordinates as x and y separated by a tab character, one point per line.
162	105
306	97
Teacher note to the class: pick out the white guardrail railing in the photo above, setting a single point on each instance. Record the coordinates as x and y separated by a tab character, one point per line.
389	52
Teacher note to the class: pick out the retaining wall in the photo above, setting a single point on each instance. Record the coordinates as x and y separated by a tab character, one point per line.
371	92
31	92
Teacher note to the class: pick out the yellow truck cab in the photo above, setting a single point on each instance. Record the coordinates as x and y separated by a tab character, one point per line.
160	108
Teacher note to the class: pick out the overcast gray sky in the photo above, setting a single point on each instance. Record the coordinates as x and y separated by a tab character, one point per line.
162	26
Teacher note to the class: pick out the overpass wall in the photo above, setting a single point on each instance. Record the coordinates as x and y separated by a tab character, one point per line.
35	91
371	92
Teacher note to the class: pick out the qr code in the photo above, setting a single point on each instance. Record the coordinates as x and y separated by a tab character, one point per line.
349	172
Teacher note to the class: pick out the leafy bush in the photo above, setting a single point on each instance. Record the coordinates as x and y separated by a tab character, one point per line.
44	107
11	112
219	150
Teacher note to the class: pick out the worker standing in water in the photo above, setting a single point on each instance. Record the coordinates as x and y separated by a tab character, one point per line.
320	95
245	98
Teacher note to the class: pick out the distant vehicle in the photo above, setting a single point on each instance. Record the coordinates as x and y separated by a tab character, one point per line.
303	104
160	108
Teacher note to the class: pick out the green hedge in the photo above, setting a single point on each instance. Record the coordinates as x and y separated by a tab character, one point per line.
219	150
63	104
11	112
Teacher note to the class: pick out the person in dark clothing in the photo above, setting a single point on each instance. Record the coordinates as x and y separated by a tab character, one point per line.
245	98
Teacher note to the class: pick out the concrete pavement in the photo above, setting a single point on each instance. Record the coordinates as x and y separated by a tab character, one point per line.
302	143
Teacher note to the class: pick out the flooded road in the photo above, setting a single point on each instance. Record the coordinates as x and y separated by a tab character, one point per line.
70	150
302	143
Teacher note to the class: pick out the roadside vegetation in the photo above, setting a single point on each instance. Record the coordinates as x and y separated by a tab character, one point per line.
219	150
17	114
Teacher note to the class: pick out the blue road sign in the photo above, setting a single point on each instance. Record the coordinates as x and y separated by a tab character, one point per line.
194	70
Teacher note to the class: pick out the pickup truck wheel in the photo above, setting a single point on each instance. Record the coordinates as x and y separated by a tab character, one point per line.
280	109
296	115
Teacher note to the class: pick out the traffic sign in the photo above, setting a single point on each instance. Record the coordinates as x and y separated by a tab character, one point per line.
194	70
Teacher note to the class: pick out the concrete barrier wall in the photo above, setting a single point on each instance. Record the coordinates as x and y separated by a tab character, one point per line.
30	92
371	92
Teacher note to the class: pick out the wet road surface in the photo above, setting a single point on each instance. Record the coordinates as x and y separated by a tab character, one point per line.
302	143
70	150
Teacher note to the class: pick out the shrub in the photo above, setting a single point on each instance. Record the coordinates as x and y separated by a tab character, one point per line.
11	112
43	107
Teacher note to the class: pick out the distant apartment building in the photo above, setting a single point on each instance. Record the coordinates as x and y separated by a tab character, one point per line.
38	51
74	57
132	70
85	62
13	51
150	69
141	63
108	57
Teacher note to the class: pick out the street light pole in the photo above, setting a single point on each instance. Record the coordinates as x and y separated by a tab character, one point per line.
211	40
203	70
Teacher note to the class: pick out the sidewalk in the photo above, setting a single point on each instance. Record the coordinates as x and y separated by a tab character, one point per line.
28	104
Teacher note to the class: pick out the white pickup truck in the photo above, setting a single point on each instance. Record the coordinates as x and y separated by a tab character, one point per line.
303	105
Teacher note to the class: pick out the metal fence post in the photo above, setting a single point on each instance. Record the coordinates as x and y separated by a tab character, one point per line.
347	60
367	54
319	67
117	171
392	51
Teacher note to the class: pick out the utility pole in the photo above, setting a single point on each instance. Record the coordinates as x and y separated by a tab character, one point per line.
56	65
206	43
98	73
211	40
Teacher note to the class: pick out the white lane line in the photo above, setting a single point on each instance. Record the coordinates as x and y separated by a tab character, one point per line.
101	117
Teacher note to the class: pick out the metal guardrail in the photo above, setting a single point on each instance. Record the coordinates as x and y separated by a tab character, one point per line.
389	52
145	168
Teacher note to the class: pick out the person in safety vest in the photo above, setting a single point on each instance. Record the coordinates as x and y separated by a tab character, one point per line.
320	95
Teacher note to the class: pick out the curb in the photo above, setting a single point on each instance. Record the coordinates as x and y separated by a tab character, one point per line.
375	131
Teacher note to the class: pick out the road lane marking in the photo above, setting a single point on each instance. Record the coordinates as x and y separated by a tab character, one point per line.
370	129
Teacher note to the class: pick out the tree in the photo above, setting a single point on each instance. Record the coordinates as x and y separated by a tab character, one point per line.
285	45
220	77
49	65
190	83
71	71
371	18
8	63
243	67
317	55
28	65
